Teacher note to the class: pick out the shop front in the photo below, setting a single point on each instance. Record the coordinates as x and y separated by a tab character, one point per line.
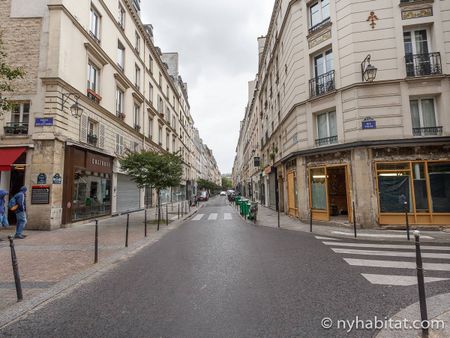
291	187
87	192
422	188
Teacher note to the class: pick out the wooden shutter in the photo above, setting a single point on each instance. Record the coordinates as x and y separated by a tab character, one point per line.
101	136
83	128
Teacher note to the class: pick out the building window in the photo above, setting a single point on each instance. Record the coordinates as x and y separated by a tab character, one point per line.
419	59
160	135
160	107
120	55
168	114
323	69
150	93
119	144
167	92
173	144
120	95
150	60
137	43
137	117
160	80
92	132
424	119
167	141
20	117
95	24
150	128
137	77
326	129
319	12
121	18
93	77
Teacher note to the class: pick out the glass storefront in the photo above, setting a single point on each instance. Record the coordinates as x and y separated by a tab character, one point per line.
91	195
424	185
318	189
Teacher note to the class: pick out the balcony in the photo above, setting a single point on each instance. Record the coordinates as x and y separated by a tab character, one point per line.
93	96
326	141
322	84
423	64
427	131
15	128
319	26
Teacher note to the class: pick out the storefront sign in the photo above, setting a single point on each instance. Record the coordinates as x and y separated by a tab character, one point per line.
40	194
57	179
43	121
42	178
98	163
369	123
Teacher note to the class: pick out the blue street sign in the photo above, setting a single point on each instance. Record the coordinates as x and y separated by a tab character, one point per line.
369	124
43	121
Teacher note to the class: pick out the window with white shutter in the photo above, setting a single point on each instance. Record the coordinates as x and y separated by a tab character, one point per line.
83	128
101	136
119	144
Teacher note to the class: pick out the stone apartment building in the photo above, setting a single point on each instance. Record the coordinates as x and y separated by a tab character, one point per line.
95	87
352	101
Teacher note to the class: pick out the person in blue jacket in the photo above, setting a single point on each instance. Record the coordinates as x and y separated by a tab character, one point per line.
3	206
21	212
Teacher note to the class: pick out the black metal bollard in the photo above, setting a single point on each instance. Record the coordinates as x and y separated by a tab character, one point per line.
15	266
354	220
96	243
278	216
407	220
178	211
126	233
167	215
145	222
310	220
421	283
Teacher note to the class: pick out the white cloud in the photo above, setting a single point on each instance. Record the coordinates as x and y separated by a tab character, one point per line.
218	51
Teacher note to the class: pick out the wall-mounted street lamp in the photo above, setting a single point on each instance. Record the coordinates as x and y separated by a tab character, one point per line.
75	109
369	72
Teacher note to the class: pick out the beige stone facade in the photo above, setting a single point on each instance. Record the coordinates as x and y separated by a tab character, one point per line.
330	137
99	57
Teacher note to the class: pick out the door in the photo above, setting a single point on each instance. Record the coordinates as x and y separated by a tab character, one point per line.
128	194
292	195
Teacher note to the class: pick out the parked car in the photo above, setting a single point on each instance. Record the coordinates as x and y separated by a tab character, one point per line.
223	193
202	196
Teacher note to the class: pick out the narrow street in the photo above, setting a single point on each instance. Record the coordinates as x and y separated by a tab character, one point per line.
217	276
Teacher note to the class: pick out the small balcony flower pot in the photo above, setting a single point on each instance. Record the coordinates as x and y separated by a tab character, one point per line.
94	96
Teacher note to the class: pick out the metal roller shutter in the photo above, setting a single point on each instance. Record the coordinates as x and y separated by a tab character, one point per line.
128	194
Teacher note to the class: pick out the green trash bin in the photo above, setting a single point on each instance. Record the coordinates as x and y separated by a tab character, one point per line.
243	204
247	209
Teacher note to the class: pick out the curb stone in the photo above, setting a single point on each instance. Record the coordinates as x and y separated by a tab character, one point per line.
65	287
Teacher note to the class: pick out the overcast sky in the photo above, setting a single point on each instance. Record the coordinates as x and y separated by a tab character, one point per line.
216	40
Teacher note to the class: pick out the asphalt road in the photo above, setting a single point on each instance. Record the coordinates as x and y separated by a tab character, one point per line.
221	277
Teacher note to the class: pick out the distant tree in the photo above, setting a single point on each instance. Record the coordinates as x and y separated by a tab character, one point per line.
208	185
226	183
154	170
7	75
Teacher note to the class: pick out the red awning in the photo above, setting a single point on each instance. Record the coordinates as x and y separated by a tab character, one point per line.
8	156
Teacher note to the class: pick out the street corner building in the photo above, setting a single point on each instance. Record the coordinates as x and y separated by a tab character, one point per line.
95	88
349	113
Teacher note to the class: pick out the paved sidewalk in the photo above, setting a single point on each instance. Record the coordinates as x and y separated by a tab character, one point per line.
47	258
268	217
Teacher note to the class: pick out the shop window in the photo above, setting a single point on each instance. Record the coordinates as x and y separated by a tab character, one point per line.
318	189
394	189
420	187
439	174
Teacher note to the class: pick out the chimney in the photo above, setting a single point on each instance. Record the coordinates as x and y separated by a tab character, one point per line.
261	44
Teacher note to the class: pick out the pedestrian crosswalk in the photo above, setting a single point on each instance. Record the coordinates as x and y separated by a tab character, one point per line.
392	264
213	217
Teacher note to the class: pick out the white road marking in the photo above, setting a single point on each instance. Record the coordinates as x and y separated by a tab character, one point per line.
397	280
212	217
396	264
327	238
227	216
389	246
198	217
390	253
174	218
377	235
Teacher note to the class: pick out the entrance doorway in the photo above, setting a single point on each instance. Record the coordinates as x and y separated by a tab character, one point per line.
292	193
337	194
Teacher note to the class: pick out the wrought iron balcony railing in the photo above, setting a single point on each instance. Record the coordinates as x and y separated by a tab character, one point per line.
322	84
423	64
318	26
326	141
16	128
427	131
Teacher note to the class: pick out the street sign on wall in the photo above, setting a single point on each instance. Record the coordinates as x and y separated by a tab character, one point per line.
43	121
369	123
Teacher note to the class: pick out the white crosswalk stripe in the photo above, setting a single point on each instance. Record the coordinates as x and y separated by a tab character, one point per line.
212	217
327	238
362	234
198	217
379	269
227	216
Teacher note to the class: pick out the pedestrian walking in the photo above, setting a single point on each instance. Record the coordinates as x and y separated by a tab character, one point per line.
18	205
3	214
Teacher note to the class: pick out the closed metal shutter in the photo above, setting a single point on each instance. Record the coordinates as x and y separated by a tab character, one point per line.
128	194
